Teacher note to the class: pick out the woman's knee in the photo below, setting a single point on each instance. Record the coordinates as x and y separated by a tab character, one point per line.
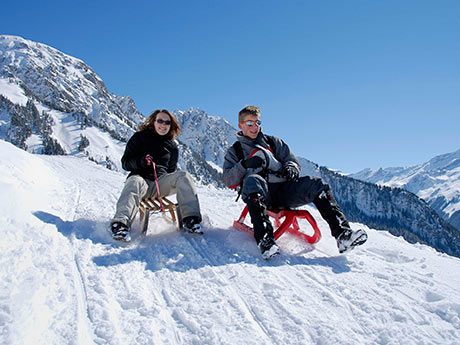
184	176
184	179
136	182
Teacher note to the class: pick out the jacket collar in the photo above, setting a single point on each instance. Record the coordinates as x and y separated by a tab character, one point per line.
251	142
152	132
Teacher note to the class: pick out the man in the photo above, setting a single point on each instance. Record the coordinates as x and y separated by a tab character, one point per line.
268	174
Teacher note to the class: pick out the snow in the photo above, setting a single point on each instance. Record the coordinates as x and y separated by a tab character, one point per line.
63	280
13	92
215	166
68	131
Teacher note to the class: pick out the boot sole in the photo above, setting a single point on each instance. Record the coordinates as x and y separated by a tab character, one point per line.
125	238
273	251
357	242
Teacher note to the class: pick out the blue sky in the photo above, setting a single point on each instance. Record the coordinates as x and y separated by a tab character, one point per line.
347	84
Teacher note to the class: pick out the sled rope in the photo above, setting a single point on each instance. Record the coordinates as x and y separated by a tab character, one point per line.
158	188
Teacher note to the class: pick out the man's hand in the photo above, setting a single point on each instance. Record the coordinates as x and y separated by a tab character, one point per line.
252	163
290	172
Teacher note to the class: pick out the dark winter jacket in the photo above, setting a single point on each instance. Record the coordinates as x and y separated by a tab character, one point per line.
162	149
234	172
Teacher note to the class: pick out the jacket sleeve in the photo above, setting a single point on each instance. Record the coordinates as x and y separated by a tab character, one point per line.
233	171
131	158
172	164
284	154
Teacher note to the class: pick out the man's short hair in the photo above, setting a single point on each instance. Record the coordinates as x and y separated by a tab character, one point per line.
248	110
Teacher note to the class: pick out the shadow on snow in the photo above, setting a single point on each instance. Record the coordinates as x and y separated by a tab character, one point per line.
80	228
182	252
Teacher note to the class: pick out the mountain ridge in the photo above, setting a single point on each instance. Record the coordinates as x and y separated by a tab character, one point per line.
436	181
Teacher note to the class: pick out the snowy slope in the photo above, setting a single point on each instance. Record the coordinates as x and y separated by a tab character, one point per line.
436	181
65	281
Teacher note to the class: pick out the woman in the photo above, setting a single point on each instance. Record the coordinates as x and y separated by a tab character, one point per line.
154	142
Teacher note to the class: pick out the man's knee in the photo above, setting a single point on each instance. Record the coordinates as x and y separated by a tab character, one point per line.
320	186
254	184
313	186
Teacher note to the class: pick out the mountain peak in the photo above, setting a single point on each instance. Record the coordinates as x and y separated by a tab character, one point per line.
55	103
437	181
209	136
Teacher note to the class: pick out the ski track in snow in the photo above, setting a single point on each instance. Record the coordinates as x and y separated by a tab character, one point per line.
65	281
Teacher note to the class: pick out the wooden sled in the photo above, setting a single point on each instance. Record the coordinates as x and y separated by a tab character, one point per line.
285	220
153	205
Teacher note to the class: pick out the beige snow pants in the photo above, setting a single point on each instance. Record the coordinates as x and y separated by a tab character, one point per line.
137	188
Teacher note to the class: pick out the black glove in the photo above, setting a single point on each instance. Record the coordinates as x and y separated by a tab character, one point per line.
290	172
252	163
146	161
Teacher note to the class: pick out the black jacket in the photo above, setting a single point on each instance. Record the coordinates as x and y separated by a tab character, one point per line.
164	152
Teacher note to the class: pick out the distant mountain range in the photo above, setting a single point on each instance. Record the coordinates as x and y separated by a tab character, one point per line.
436	181
51	103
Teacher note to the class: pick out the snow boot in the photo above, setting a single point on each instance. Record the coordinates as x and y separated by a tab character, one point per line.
120	232
268	247
263	229
349	239
192	225
331	213
340	228
259	216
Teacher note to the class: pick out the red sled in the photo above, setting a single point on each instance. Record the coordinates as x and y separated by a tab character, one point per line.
289	224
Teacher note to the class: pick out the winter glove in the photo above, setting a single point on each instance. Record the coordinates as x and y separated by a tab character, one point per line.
252	163
146	161
290	172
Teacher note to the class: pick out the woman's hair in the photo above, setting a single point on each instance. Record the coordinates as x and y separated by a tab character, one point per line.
149	123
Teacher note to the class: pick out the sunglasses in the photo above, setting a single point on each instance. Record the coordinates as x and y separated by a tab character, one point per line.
251	123
163	122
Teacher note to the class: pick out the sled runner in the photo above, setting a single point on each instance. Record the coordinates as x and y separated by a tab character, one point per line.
156	205
285	220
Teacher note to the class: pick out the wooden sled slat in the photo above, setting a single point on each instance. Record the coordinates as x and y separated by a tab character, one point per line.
152	205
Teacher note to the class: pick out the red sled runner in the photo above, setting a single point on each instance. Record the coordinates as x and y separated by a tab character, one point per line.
289	224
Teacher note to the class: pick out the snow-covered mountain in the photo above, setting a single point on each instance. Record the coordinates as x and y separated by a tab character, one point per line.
63	280
389	208
55	104
436	181
209	136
